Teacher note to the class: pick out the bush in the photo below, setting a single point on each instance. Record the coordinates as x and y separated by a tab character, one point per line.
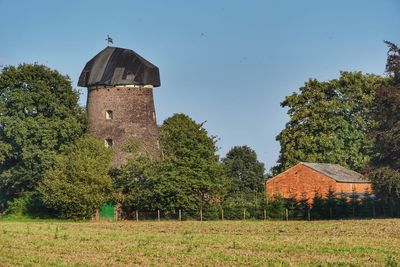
19	206
29	205
79	183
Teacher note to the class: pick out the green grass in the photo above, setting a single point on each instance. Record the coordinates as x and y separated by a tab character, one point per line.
216	243
28	219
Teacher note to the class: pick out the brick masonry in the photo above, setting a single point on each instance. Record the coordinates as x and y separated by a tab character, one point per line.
133	115
301	181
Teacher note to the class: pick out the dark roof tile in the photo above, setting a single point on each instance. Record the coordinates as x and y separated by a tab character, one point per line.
337	172
119	66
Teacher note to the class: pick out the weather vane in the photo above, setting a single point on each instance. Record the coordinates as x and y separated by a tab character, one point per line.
109	40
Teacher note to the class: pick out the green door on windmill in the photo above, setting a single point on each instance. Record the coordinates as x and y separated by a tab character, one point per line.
107	211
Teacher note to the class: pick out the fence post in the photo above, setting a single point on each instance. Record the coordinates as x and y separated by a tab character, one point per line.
265	214
115	213
309	214
244	214
97	216
137	215
158	215
180	215
201	214
330	213
287	214
222	214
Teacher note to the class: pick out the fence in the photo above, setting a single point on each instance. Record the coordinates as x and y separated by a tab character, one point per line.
200	215
287	212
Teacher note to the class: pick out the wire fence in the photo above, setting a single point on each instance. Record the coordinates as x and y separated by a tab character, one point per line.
283	213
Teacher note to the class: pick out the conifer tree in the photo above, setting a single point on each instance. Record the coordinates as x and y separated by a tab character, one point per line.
385	166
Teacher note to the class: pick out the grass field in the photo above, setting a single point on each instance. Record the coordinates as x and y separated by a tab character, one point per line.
217	243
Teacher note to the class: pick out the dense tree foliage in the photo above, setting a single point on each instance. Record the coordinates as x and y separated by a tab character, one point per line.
189	177
132	187
78	183
329	122
184	139
39	114
246	173
385	166
245	184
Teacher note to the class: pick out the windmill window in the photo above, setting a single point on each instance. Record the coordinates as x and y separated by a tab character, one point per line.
109	115
108	143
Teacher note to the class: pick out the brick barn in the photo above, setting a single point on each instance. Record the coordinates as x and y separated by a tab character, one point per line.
305	179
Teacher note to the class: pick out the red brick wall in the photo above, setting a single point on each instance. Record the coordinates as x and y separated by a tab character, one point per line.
301	181
133	115
357	187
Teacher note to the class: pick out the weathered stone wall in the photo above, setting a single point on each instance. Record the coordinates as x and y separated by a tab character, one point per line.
301	181
133	115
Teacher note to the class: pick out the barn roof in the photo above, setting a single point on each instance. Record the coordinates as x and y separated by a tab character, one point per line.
337	172
119	66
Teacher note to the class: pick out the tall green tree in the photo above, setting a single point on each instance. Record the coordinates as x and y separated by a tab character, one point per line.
190	176
246	173
132	187
79	182
329	122
39	114
246	178
385	166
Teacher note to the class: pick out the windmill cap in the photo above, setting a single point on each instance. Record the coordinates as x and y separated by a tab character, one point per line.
119	66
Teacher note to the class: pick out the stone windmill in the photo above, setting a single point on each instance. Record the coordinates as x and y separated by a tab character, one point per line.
120	102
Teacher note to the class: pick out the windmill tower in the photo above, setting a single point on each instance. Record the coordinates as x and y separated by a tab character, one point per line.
120	102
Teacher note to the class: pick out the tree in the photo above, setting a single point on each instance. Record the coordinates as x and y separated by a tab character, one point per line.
244	170
39	114
78	183
246	179
329	122
385	166
132	188
319	207
303	206
276	207
387	113
190	176
331	203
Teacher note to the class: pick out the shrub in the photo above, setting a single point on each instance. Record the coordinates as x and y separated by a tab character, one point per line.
79	183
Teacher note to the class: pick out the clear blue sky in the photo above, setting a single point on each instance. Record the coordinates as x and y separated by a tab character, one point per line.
228	62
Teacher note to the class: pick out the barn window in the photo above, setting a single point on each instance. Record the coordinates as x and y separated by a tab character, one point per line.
109	115
108	143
